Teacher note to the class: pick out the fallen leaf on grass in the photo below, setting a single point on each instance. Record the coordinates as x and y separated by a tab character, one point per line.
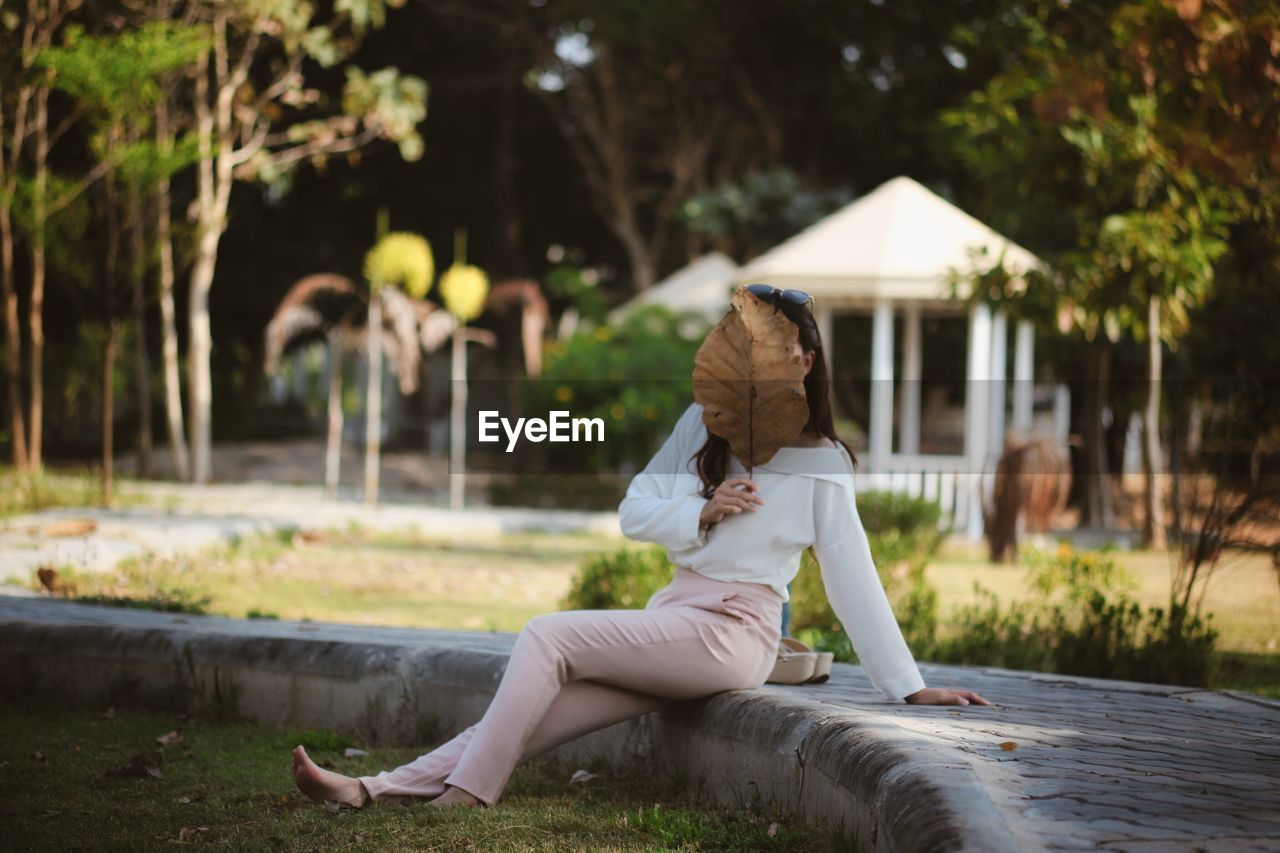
352	752
580	776
1009	746
190	833
170	739
38	755
109	714
69	527
52	813
773	830
142	765
186	801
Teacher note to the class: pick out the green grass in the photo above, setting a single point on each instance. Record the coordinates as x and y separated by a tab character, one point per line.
228	785
22	492
359	577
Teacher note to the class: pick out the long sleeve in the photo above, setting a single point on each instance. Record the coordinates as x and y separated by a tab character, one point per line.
654	509
856	594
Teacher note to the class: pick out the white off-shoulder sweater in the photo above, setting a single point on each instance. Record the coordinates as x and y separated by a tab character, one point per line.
808	500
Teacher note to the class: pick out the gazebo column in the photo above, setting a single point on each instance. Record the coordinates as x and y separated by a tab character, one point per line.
909	411
880	437
1023	376
996	391
976	412
824	317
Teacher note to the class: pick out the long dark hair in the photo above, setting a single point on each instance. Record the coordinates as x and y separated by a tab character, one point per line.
713	457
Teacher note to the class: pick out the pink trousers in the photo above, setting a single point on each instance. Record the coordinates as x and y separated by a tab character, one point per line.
577	671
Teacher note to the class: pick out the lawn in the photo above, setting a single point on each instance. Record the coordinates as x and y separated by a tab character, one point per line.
1244	600
401	579
365	578
226	785
23	492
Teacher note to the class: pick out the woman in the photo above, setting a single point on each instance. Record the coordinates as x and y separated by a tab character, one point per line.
736	542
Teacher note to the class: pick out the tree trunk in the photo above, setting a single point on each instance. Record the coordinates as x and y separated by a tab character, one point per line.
458	420
1096	507
373	400
214	178
169	314
35	311
333	441
138	251
13	341
1153	528
108	411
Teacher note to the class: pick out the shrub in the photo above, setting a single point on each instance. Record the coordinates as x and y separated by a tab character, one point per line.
622	579
1082	622
903	534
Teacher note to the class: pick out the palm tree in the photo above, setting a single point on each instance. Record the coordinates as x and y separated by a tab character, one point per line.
334	309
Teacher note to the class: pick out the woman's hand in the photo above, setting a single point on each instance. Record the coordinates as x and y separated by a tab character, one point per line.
942	696
733	497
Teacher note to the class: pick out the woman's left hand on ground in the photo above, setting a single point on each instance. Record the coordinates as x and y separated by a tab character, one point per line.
943	696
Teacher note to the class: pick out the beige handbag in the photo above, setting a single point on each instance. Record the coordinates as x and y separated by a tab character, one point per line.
799	664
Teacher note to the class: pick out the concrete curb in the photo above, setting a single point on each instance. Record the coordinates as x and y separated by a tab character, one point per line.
885	787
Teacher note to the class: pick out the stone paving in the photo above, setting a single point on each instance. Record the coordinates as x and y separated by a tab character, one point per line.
1062	763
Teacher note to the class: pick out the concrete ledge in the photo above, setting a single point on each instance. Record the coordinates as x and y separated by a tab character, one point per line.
1093	764
389	685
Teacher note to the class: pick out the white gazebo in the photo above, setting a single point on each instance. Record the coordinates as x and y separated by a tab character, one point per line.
897	250
701	288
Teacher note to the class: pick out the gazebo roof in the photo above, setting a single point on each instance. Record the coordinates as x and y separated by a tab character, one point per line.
900	241
702	287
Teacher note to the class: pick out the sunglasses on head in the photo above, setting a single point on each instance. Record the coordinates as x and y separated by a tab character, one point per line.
767	293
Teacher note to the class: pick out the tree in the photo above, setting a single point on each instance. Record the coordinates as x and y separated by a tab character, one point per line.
1108	190
399	260
463	290
332	308
256	119
113	78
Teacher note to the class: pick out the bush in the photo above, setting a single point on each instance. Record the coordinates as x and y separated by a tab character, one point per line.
622	579
903	534
1082	623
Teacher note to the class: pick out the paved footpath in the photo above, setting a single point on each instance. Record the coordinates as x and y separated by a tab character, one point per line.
182	519
1059	763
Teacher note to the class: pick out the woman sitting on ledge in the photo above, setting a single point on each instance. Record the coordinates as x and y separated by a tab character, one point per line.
737	544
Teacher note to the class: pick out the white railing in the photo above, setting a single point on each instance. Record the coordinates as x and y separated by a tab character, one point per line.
948	480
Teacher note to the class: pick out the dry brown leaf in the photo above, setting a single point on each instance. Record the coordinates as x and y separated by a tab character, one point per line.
1009	746
750	382
69	527
170	739
142	765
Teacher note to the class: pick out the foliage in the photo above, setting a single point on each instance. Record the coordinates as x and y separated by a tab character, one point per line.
635	376
621	580
1082	622
403	260
903	534
750	215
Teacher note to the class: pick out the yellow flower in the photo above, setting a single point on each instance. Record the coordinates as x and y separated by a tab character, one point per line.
651	412
564	394
1064	550
401	259
617	412
603	333
463	289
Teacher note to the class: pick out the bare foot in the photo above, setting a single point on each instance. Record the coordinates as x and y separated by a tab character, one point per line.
456	797
325	786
